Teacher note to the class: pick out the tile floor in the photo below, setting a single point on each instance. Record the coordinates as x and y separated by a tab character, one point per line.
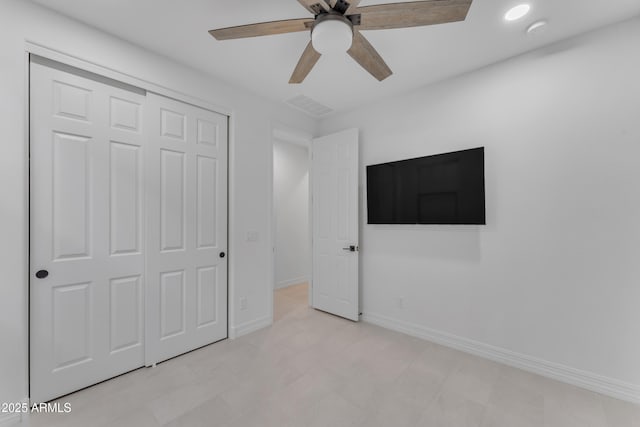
314	369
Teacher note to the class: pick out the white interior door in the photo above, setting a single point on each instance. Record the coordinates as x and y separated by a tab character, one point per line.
186	229
334	175
86	230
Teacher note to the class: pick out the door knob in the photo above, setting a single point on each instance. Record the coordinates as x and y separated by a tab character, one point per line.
42	274
352	248
222	254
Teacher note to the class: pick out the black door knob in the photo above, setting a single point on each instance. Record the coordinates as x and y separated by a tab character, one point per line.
41	274
222	254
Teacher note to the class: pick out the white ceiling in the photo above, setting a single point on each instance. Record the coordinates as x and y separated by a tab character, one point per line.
418	56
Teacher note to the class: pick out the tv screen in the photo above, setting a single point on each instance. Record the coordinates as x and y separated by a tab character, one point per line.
441	189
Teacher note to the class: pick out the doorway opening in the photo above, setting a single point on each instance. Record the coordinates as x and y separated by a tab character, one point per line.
291	225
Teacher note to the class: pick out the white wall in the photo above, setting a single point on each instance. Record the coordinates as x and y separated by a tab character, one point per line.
291	206
555	274
250	170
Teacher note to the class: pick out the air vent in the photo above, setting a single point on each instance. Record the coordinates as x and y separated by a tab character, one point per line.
309	106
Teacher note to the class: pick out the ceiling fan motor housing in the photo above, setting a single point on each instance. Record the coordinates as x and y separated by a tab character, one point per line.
341	6
332	16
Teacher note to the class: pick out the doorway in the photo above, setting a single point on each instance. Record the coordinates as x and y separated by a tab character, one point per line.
332	222
291	225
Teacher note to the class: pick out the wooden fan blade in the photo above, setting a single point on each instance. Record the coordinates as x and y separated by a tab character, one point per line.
365	55
262	29
353	5
412	14
305	64
315	6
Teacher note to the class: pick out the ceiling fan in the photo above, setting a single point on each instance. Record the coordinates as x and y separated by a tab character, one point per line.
336	27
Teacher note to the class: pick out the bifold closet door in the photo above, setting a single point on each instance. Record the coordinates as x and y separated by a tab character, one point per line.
186	163
86	236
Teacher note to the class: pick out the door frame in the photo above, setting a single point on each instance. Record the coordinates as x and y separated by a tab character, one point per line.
288	134
31	48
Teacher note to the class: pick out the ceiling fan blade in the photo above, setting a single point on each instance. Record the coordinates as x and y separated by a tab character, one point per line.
353	5
305	64
315	6
365	55
412	14
262	29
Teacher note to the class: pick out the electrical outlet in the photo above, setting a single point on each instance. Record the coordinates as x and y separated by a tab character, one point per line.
243	303
400	302
253	236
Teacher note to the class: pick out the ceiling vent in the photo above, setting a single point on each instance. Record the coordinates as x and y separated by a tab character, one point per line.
309	106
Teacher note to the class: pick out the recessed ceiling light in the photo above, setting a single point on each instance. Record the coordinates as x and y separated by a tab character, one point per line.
517	12
536	26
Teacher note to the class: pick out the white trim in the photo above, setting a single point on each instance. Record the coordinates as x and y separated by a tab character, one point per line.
285	133
26	235
271	220
588	380
250	326
310	209
105	71
231	222
291	282
292	136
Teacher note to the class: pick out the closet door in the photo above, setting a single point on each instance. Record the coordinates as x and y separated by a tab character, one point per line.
86	238
186	229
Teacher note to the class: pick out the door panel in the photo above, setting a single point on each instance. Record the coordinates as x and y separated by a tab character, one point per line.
207	295
86	207
126	315
72	313
125	114
126	201
335	224
71	166
172	195
206	201
172	307
186	229
73	102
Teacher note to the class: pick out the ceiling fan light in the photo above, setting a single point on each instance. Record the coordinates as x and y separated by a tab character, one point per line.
332	36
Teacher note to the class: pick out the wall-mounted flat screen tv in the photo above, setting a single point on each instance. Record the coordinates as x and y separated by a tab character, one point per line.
441	189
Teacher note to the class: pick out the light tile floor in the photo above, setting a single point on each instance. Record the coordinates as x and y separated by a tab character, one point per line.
314	369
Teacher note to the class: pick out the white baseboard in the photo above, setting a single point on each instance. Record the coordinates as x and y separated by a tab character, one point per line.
588	380
291	282
248	327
